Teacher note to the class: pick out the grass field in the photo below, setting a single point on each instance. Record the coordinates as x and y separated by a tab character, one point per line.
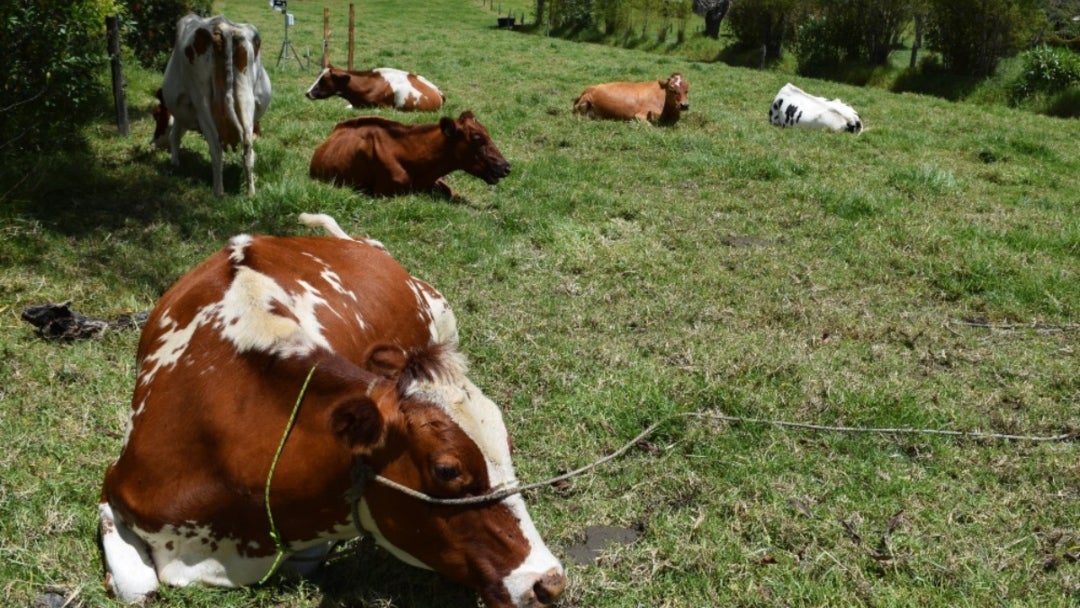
925	274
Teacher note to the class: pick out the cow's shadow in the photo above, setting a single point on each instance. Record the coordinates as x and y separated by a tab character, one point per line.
196	169
363	574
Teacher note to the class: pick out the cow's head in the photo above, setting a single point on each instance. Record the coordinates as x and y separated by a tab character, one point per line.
162	122
422	423
676	92
330	81
473	148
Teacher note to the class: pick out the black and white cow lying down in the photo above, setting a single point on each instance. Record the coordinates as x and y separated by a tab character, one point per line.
793	107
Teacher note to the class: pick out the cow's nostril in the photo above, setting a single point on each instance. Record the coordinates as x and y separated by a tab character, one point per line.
549	587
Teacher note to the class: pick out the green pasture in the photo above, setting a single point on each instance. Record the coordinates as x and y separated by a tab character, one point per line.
923	274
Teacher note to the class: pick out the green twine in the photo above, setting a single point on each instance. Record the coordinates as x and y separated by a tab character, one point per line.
275	534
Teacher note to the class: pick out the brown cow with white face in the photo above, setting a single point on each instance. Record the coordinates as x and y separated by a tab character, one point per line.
366	356
655	101
378	88
388	158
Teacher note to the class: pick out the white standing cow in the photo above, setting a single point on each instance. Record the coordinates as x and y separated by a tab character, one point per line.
215	84
793	107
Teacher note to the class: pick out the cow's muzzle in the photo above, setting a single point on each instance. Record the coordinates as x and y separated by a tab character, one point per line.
684	106
547	589
496	172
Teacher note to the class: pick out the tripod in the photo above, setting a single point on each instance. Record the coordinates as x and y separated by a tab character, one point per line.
286	46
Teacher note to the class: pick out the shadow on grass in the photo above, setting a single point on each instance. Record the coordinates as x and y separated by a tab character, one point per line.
365	575
76	193
123	214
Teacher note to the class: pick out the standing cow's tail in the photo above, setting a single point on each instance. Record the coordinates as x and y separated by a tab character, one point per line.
234	132
241	67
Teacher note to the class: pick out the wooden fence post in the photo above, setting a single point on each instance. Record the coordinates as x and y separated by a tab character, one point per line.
325	36
352	33
112	27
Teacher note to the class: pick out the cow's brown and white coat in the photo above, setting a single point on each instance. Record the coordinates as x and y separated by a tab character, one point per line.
388	158
221	364
656	101
378	88
215	84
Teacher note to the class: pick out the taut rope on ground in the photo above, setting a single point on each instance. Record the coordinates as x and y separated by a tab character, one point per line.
501	493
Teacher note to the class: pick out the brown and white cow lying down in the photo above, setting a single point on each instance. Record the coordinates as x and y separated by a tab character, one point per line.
656	101
387	158
378	88
215	84
222	363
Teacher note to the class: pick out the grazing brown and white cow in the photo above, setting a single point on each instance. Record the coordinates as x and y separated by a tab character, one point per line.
656	101
794	107
328	347
378	88
387	158
215	84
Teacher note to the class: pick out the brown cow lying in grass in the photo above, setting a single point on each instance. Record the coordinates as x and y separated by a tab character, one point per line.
388	158
656	101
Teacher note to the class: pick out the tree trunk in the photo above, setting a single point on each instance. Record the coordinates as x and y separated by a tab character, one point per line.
917	44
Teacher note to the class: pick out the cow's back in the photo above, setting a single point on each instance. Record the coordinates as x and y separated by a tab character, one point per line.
348	155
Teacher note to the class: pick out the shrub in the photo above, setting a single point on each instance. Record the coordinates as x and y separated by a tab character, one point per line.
815	48
764	23
54	53
974	35
1047	70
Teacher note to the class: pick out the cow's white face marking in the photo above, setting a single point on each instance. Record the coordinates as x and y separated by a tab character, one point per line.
317	79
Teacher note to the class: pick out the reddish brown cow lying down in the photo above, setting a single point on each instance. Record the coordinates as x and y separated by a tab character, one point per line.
656	101
388	158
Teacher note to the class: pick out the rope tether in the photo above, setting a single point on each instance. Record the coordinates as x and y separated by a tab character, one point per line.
363	474
275	534
501	493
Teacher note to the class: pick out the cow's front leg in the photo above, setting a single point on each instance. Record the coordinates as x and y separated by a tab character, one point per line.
441	188
129	570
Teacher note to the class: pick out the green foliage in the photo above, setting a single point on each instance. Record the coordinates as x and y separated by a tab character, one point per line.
152	27
860	31
974	35
1063	28
1047	70
52	53
764	23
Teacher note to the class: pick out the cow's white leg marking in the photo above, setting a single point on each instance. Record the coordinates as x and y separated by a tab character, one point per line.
130	572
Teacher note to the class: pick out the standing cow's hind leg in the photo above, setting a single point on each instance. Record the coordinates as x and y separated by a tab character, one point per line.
249	167
129	569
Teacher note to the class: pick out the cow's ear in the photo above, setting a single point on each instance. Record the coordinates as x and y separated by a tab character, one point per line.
357	423
663	83
448	126
341	78
386	361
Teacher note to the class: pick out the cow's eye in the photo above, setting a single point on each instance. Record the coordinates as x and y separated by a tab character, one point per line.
447	472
